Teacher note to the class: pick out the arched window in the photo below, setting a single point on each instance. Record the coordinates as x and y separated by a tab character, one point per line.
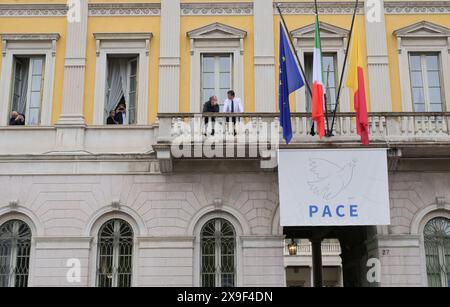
115	254
15	245
218	251
437	249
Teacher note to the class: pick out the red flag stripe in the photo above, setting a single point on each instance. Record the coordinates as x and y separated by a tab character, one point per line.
362	117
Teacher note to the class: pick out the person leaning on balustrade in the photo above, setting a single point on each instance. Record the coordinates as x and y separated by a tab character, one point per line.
211	106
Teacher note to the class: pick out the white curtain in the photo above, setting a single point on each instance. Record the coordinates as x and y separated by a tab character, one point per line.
124	78
23	90
117	83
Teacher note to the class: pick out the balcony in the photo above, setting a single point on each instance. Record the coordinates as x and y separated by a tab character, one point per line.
305	249
384	127
258	135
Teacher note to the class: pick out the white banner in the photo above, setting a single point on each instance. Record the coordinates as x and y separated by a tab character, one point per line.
347	187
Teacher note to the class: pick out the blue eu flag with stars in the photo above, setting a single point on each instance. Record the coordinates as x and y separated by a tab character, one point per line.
290	81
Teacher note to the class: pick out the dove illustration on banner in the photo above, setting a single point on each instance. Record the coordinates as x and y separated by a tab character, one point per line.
327	179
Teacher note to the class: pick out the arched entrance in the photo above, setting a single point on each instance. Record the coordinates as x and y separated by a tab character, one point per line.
353	252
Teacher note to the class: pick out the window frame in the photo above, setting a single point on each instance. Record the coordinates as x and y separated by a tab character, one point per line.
218	252
422	37
215	38
12	277
425	82
333	40
336	79
119	44
115	253
29	90
217	74
28	45
130	58
442	257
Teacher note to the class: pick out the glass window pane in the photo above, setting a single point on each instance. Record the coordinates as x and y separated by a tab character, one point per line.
328	63
133	68
433	78
416	79
225	64
331	97
33	117
133	84
415	62
208	64
35	100
225	81
331	79
419	107
36	83
435	95
432	62
418	96
37	66
435	107
208	80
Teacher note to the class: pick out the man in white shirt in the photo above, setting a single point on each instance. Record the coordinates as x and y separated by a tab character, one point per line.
233	104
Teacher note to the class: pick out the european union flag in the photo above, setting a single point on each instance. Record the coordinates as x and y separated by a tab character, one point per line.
290	81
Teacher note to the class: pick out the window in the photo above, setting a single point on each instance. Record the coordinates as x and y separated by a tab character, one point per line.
330	77
27	87
122	84
27	77
437	250
115	254
426	82
122	69
217	76
423	59
15	245
218	249
217	63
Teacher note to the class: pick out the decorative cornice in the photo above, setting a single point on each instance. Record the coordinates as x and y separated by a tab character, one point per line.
417	7
423	29
327	31
30	36
124	9
123	36
217	31
307	8
145	36
195	9
33	10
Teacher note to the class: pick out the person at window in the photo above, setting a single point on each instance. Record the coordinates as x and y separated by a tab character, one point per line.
17	119
233	105
211	106
112	118
121	113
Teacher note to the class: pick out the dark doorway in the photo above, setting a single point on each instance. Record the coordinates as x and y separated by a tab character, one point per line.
354	251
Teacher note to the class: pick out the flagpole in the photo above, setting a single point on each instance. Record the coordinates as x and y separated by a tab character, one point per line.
294	51
338	96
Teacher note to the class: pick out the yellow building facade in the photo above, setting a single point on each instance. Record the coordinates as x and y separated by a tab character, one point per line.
145	16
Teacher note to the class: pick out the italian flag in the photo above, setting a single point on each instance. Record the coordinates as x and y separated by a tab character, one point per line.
356	82
318	91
